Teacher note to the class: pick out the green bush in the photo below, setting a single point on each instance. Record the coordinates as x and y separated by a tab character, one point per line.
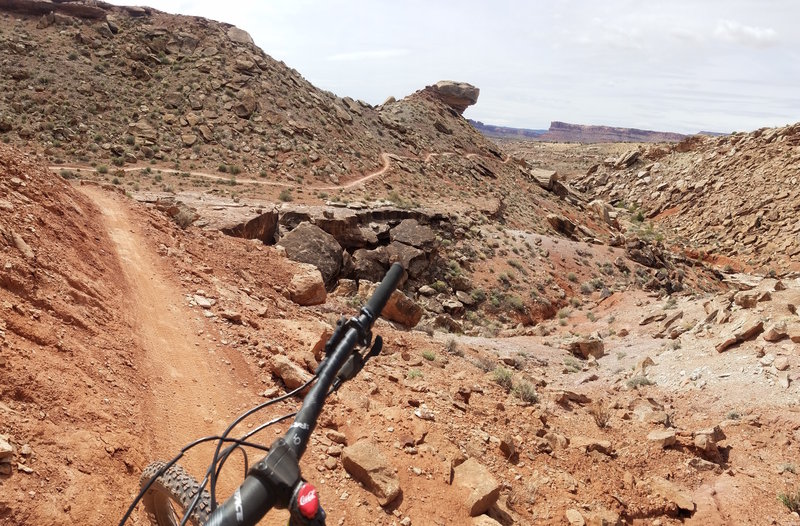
440	286
502	377
526	392
285	195
791	500
515	302
478	295
429	355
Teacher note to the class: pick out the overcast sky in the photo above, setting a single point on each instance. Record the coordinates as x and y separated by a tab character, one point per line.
677	65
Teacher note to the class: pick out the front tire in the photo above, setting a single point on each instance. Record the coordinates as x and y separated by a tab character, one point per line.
169	496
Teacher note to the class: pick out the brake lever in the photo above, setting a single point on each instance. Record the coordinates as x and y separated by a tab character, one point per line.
356	362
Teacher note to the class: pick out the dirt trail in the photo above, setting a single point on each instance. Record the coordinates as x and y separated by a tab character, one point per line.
386	159
192	392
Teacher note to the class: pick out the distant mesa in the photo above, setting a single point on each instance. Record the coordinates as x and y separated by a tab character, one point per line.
565	132
457	95
562	131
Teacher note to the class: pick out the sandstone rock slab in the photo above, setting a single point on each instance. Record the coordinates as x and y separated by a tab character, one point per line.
365	462
482	488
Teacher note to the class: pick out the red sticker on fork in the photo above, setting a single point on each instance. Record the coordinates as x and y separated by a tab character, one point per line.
308	501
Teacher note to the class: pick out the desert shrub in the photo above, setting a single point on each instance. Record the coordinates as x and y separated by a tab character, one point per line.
572	277
440	286
601	414
285	195
791	500
484	364
451	347
515	302
102	169
478	295
502	377
572	365
638	381
414	373
184	218
526	392
429	355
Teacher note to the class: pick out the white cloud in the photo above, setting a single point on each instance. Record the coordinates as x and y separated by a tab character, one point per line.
376	54
746	35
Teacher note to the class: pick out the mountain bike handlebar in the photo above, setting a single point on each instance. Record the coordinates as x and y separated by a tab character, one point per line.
275	481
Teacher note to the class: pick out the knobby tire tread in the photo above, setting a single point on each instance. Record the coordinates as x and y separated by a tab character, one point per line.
176	486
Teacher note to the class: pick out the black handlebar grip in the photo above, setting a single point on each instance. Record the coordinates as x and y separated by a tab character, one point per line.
381	295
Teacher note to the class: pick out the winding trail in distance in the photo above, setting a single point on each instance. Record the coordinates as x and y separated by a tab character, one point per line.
385	157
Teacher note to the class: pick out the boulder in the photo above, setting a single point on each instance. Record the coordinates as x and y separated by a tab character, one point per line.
143	130
263	227
365	462
747	299
310	244
293	375
574	517
544	178
706	440
6	449
240	36
307	286
626	159
671	492
663	437
776	332
457	95
400	308
586	347
414	260
246	104
746	329
369	264
561	224
588	445
347	230
482	489
410	232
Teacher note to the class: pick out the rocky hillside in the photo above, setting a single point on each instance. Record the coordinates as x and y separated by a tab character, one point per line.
730	199
111	85
60	297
